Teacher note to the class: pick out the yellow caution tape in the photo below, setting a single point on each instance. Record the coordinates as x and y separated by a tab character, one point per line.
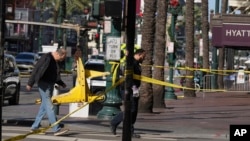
127	72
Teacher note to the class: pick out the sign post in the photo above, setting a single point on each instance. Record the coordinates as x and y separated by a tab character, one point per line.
113	48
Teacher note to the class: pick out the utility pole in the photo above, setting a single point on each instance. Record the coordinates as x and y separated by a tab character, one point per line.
2	31
130	35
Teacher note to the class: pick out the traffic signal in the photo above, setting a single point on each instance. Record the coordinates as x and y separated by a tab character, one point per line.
113	8
10	10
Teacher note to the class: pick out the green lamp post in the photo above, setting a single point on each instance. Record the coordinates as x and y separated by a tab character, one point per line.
175	7
111	105
61	16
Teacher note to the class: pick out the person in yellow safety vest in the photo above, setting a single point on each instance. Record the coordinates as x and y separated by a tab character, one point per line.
123	52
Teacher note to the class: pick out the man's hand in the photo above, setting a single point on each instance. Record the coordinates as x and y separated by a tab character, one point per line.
28	87
135	91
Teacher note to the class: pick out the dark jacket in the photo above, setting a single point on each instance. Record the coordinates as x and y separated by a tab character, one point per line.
40	69
137	70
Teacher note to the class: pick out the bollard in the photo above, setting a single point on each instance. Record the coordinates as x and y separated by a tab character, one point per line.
55	93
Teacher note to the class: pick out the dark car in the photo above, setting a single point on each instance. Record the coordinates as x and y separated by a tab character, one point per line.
11	80
26	61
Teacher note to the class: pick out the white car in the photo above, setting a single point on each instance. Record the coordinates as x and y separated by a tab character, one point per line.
26	61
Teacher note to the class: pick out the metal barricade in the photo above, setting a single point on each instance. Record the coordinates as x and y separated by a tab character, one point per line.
207	84
232	83
235	82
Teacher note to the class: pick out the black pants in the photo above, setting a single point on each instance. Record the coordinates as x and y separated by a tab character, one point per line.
134	110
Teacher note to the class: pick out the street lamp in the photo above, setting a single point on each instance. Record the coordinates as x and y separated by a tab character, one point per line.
175	7
113	13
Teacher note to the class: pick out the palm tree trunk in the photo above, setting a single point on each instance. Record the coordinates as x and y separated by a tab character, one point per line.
159	53
222	50
189	57
148	31
205	29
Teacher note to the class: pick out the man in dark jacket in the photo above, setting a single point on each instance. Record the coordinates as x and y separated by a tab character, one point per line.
139	56
46	74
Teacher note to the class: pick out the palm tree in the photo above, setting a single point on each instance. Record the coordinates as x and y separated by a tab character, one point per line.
189	27
148	31
159	53
60	9
205	29
71	6
222	50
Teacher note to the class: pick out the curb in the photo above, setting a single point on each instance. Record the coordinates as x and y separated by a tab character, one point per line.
23	122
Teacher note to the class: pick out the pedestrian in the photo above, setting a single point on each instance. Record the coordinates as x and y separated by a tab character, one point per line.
46	74
139	56
77	55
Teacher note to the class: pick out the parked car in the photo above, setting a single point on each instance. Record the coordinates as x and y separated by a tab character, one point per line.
40	54
26	61
11	80
98	56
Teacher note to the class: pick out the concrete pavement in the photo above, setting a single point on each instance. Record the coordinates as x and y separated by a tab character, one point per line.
200	118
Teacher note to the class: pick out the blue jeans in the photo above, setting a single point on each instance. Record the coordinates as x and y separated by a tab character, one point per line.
46	107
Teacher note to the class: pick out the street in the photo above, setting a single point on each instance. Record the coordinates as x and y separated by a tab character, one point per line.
204	118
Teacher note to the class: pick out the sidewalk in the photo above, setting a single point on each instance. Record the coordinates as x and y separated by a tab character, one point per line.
200	118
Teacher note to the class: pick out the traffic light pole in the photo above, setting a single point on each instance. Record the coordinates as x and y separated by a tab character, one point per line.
2	31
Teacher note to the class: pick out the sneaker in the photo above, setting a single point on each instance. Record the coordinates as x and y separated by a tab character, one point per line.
113	129
60	132
136	135
37	131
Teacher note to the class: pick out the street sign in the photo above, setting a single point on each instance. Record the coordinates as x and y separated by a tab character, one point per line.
171	47
113	48
240	77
